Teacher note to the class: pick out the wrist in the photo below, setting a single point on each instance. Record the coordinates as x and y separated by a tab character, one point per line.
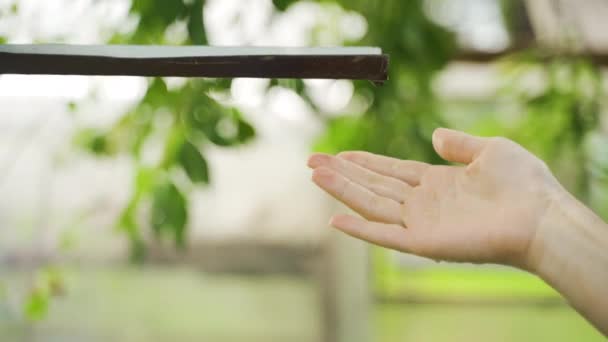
567	227
552	231
569	253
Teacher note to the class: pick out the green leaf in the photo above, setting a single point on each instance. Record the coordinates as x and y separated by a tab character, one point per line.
49	282
131	132
220	125
3	40
37	304
154	18
72	106
282	5
218	84
157	94
196	27
145	179
246	131
296	85
169	212
173	144
126	221
193	162
93	141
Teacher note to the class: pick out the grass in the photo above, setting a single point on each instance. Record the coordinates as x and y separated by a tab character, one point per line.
422	323
172	304
464	282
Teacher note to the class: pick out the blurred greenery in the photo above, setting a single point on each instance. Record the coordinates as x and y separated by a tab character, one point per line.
48	282
174	304
555	120
199	306
187	118
468	284
403	112
395	322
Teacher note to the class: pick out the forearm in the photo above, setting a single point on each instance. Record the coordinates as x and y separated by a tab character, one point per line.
570	252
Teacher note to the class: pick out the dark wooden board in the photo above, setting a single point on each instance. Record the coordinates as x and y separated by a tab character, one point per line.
330	63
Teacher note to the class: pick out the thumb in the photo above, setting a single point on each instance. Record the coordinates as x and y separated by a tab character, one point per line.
456	146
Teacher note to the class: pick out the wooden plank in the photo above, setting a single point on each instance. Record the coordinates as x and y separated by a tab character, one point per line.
344	289
466	301
196	61
597	58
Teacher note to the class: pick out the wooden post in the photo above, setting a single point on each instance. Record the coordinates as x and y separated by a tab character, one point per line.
344	287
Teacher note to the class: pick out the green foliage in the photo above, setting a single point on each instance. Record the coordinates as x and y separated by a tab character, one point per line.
220	125
196	27
92	140
37	305
48	283
193	162
169	211
403	112
185	119
156	16
127	222
554	120
282	5
72	106
516	21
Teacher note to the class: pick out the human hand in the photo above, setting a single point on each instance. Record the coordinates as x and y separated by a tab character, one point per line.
488	210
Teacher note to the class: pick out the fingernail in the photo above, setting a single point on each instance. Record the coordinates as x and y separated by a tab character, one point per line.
437	140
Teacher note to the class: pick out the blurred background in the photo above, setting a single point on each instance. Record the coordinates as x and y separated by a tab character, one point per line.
119	221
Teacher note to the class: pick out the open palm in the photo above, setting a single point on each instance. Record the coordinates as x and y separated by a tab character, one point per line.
485	211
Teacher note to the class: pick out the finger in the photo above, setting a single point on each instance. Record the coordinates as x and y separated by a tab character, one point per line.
356	197
381	185
457	146
408	171
386	235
